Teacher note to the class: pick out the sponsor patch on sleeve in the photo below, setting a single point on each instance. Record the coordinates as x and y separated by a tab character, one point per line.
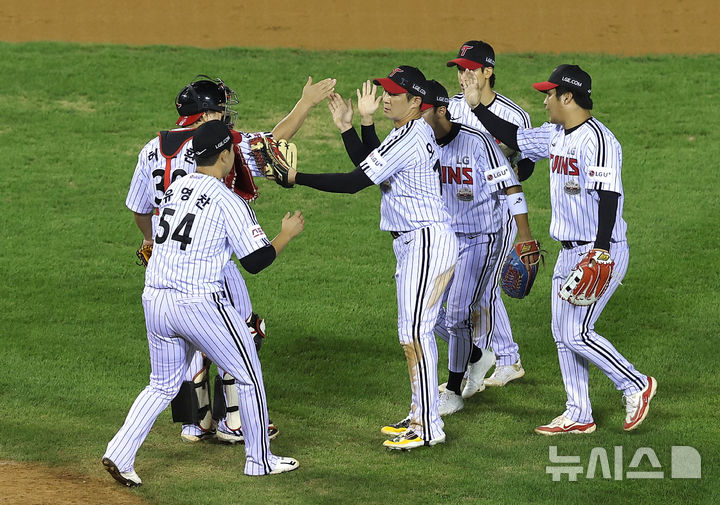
498	175
601	174
257	233
375	161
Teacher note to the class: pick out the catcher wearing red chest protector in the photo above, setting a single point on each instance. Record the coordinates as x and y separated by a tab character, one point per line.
587	201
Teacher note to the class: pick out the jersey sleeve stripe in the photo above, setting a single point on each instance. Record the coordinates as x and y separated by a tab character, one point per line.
406	129
512	105
601	158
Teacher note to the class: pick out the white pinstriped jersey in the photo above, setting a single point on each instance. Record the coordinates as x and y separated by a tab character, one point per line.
152	175
474	170
201	224
406	167
588	158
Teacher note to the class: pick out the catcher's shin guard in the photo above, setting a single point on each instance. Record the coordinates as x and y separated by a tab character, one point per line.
231	411
192	403
218	406
202	391
185	405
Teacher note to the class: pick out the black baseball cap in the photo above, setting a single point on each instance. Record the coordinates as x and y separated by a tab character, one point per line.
437	95
568	76
474	54
211	138
404	79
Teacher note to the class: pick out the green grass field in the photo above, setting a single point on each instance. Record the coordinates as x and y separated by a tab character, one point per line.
74	354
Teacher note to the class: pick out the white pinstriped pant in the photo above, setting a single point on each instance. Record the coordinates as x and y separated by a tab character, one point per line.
494	328
425	261
475	269
577	342
177	326
237	293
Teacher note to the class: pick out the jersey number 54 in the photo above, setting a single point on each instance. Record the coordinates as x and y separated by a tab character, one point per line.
180	234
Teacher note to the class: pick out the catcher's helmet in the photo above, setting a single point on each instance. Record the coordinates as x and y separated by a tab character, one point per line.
204	94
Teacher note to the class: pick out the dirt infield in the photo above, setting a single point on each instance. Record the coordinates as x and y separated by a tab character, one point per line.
613	26
26	484
619	27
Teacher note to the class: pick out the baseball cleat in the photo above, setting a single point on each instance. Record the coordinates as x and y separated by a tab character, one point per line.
396	429
442	387
410	440
450	402
231	436
638	405
476	373
504	374
192	433
129	479
562	425
285	465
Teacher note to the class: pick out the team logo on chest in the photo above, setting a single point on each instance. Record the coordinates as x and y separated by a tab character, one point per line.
572	187
465	194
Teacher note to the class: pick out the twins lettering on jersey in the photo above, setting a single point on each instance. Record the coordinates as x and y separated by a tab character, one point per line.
459	175
563	165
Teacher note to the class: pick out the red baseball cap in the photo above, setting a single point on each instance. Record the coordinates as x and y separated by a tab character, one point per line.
404	79
474	54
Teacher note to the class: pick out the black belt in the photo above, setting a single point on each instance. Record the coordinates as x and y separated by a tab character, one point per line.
396	234
571	244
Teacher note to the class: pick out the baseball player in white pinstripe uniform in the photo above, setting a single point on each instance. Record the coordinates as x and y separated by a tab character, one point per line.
406	168
587	202
474	173
493	331
201	224
169	156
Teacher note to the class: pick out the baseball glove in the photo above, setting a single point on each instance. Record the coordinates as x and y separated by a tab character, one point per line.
256	324
144	254
589	279
521	268
275	159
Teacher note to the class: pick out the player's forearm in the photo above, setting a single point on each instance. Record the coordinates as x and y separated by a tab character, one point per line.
354	146
518	208
350	182
144	223
607	212
281	241
504	131
369	136
291	123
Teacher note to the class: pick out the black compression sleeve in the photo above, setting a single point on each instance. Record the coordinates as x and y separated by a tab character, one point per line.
259	259
354	146
525	169
502	130
369	137
349	182
607	211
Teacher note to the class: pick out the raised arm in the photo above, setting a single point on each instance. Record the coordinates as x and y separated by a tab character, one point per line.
504	131
312	95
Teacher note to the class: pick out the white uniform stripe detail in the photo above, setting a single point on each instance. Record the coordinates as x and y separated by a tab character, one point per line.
248	364
424	268
402	133
600	159
612	360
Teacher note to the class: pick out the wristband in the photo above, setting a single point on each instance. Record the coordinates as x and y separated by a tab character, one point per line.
517	204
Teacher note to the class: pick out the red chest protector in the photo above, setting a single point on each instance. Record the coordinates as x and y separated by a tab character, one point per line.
240	180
